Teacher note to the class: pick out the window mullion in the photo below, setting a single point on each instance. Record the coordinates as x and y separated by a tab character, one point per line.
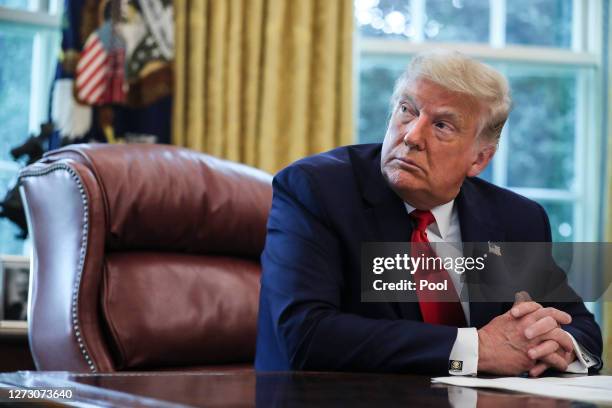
580	162
29	19
35	83
418	16
43	56
593	31
578	26
55	7
497	23
515	53
34	5
500	163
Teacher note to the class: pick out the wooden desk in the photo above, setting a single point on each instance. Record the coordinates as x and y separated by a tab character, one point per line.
246	388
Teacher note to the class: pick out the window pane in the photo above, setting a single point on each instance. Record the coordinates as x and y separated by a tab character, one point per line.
15	66
444	20
457	20
561	216
541	130
539	22
377	77
384	18
487	173
9	242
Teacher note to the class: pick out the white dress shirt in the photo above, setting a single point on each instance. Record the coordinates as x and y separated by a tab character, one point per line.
446	229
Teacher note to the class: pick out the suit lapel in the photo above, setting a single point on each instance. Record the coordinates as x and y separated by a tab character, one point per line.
386	217
384	211
476	217
478	226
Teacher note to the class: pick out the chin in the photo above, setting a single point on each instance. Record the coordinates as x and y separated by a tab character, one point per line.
401	180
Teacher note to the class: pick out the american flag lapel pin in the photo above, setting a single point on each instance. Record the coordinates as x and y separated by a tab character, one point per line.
494	248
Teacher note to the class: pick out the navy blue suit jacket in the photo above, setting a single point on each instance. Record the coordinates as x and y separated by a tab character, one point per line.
310	314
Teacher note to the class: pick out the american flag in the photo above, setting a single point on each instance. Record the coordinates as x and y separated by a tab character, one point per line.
99	73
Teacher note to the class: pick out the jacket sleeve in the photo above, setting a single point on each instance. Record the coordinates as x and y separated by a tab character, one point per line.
583	327
302	286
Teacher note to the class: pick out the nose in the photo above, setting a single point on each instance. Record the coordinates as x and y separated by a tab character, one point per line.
415	133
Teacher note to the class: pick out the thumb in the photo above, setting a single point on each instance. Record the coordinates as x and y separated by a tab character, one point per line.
520	297
517	310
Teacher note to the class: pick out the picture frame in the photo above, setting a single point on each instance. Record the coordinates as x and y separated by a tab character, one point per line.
14	287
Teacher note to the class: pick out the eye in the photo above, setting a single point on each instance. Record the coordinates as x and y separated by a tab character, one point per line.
408	110
441	125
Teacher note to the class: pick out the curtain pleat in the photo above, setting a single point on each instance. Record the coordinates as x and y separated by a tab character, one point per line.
263	82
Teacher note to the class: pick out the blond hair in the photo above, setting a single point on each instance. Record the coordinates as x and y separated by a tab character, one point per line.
459	73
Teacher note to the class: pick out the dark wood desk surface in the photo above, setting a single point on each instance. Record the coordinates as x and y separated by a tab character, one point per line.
245	388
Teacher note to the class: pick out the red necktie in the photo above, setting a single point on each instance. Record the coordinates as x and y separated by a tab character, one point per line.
447	312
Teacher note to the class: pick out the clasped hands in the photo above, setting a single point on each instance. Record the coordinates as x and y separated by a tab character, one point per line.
527	338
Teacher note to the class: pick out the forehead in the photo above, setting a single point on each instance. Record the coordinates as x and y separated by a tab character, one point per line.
434	99
426	92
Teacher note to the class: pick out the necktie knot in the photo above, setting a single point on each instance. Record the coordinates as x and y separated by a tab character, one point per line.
422	218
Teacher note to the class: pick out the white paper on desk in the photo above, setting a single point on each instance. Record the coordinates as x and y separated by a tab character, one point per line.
597	388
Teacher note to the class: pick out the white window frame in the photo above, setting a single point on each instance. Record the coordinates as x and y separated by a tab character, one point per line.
585	52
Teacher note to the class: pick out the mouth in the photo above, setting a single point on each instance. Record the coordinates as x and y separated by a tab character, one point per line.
407	164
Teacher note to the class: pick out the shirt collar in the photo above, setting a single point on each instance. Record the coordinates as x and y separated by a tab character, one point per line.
442	214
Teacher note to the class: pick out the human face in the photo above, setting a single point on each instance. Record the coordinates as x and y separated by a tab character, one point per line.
431	144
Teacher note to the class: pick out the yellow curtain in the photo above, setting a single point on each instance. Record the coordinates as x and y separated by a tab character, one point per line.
263	82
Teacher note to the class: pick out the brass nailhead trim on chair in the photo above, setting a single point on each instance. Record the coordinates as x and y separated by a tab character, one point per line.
75	323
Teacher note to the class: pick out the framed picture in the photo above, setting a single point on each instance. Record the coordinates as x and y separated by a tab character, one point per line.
14	284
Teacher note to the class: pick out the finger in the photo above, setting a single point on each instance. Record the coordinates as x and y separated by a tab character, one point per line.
538	369
543	349
521	296
560	316
555	360
524	308
560	336
540	327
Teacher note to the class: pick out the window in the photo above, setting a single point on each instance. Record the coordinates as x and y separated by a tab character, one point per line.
29	43
551	51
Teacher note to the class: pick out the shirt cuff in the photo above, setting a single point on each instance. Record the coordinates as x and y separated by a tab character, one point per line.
583	359
463	359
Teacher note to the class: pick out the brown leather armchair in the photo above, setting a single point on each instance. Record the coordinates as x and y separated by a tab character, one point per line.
145	257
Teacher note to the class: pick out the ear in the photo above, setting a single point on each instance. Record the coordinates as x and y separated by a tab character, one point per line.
483	157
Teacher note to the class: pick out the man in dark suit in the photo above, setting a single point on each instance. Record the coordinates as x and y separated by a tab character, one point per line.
420	185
